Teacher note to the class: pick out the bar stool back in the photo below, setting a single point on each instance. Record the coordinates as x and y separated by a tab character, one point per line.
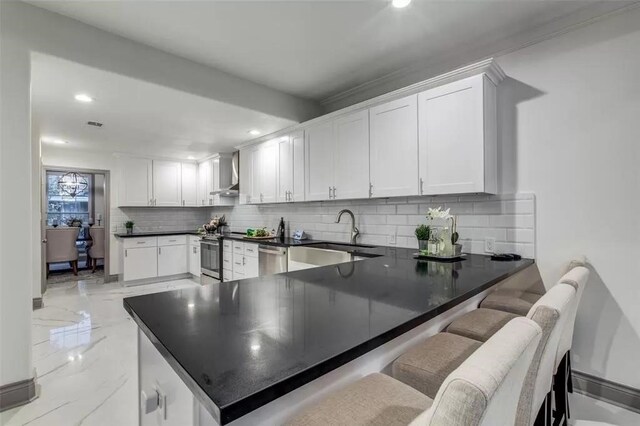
485	389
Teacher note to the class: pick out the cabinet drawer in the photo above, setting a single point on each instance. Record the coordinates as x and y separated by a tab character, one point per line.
227	262
238	247
238	276
227	277
140	242
250	250
238	263
227	245
194	240
172	240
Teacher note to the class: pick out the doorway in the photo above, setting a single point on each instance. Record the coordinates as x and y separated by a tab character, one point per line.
74	225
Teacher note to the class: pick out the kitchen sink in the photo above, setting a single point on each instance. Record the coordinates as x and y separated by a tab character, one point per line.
349	248
323	254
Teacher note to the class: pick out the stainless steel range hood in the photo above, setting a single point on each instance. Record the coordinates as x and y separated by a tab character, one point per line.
233	189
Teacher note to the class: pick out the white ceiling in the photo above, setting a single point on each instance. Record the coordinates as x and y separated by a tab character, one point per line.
314	49
138	117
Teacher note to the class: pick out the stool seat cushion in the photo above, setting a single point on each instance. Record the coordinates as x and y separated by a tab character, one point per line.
514	301
373	400
425	366
480	324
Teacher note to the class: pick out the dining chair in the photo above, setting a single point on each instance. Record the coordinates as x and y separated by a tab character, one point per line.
61	247
97	249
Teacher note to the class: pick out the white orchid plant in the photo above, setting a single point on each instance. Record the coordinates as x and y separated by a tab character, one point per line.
438	213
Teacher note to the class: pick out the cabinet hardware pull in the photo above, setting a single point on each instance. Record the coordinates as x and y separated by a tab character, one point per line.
421	186
334	192
370	189
126	253
159	250
140	242
243	261
329	192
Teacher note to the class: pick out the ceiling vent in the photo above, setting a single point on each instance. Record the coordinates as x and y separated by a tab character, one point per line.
94	123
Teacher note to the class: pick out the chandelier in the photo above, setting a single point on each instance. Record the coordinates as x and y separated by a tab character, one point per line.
72	184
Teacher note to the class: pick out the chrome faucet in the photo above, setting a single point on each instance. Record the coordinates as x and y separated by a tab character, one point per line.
354	231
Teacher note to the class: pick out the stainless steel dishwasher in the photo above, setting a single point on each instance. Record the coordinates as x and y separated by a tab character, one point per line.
272	260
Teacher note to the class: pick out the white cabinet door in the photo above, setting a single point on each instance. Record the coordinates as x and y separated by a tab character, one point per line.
256	175
297	144
268	172
204	174
285	169
167	183
318	162
394	148
172	260
351	156
246	175
189	180
194	260
452	137
251	269
140	263
135	187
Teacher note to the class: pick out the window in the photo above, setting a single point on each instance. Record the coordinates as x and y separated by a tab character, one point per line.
61	207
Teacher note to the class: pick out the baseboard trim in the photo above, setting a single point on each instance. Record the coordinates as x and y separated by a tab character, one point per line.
17	393
110	278
608	391
37	303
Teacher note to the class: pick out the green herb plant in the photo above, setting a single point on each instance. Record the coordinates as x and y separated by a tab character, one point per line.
423	232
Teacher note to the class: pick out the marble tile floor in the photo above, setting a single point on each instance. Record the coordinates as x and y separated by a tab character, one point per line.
84	352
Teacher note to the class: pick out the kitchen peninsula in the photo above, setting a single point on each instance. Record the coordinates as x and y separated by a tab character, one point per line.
255	350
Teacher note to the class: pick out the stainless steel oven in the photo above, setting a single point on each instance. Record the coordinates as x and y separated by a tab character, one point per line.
209	260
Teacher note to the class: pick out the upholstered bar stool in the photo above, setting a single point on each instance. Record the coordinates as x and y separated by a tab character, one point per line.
484	390
518	293
577	277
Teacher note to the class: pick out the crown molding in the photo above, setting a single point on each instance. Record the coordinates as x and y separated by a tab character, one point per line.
488	67
559	26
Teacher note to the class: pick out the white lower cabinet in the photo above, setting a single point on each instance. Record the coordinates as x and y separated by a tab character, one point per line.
140	263
146	258
194	259
239	260
172	260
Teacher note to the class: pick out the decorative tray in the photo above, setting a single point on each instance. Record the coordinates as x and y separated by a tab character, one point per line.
453	258
270	237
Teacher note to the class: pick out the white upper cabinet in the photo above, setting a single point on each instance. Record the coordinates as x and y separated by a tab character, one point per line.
246	175
205	177
167	183
189	181
267	167
351	156
457	128
285	169
135	188
291	168
318	162
297	142
394	148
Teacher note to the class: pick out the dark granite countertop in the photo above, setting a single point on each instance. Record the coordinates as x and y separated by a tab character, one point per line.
156	234
245	343
287	242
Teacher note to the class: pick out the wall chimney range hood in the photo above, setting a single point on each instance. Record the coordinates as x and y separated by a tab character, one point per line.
232	189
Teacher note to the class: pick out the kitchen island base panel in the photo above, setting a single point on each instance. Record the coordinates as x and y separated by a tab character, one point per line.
183	408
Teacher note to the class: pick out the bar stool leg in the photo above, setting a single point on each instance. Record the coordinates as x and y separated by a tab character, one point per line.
543	418
560	394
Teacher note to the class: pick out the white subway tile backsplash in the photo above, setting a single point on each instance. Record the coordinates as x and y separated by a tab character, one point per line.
509	218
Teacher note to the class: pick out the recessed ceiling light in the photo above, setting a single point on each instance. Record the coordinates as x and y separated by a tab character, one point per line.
83	97
254	132
53	140
400	3
191	157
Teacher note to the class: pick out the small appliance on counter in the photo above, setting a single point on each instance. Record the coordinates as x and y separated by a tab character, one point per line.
299	234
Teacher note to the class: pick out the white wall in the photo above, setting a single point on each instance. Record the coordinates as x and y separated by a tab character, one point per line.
570	133
25	29
570	117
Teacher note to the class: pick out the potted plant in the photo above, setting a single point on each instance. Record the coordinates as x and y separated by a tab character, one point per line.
423	232
129	225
